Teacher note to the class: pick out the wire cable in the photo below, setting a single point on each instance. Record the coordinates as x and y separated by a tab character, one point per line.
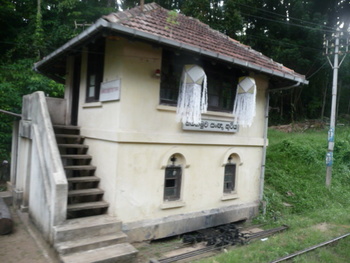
289	23
252	36
284	16
313	74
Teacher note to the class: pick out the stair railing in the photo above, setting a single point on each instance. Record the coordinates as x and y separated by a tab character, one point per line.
46	184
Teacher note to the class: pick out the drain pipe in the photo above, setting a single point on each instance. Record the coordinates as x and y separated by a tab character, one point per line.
263	162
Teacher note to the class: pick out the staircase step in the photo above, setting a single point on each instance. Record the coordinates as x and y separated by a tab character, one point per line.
90	243
83	179
70	136
76	156
84	192
78	146
87	206
86	227
121	253
66	127
80	167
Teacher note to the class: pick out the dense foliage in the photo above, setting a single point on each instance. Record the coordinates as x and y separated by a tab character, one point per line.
296	196
290	32
30	30
296	172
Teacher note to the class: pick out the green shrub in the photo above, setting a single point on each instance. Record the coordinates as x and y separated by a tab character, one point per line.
296	171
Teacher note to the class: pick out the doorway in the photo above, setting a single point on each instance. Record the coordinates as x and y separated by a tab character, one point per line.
75	91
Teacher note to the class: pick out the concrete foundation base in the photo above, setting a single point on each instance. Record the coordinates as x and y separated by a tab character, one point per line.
7	197
17	198
183	223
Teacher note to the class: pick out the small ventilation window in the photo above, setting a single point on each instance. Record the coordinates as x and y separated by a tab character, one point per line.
172	183
230	176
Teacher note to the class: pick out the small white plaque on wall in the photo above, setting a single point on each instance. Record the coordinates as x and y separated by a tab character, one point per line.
110	90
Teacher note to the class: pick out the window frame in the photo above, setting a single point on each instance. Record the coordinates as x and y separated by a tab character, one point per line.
95	67
221	79
233	178
177	183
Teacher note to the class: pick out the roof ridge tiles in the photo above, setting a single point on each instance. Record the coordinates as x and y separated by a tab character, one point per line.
130	13
192	34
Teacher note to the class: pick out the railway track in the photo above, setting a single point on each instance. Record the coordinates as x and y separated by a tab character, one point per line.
225	236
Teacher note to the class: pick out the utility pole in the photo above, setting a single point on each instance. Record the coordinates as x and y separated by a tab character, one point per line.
336	65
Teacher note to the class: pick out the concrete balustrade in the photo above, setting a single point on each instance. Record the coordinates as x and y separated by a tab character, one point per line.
41	186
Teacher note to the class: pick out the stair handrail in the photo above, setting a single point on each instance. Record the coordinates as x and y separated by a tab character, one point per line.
11	113
48	190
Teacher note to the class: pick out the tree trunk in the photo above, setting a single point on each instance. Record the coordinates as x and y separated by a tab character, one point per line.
6	223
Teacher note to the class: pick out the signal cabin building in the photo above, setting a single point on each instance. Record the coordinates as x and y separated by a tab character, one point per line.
159	177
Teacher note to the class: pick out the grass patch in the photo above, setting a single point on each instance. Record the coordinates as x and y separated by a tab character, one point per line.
296	195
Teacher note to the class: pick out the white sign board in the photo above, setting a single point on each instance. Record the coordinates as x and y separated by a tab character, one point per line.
211	126
110	90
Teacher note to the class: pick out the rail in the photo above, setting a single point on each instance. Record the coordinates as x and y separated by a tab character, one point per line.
310	249
11	113
48	183
227	236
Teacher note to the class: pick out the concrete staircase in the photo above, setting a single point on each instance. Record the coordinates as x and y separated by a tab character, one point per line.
93	239
89	235
84	196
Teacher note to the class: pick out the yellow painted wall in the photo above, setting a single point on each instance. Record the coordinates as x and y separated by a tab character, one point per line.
132	139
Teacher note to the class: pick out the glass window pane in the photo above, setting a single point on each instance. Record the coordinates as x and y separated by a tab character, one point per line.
91	91
222	80
171	172
228	186
230	169
169	192
92	80
229	178
170	183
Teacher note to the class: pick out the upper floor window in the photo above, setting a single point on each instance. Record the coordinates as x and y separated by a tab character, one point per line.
95	70
222	80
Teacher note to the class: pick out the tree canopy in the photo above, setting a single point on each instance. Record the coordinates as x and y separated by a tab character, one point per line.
289	31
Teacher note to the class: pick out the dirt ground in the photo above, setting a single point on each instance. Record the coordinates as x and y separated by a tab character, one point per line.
23	245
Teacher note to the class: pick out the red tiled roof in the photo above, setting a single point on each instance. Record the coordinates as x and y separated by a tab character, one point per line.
192	32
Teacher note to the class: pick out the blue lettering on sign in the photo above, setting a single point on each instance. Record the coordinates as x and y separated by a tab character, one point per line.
329	159
331	135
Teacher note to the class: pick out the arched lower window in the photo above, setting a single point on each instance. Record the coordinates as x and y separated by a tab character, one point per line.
230	176
172	182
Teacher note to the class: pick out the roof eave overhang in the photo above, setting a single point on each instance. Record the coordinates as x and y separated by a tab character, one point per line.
103	24
76	41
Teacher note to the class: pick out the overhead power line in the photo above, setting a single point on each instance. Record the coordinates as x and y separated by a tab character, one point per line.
287	17
253	36
289	23
314	73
